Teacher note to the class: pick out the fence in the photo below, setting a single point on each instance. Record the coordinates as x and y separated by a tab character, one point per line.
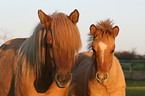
133	69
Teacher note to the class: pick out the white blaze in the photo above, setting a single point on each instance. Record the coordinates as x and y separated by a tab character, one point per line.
102	47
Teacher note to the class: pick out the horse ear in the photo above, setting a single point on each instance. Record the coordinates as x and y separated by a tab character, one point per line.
93	30
74	16
45	19
115	31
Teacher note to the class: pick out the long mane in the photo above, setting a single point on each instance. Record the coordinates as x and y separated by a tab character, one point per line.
105	28
65	33
32	53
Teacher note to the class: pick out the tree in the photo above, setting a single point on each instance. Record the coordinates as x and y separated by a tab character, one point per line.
4	36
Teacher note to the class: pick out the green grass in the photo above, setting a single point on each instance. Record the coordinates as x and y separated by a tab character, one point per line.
137	73
136	67
135	91
135	83
126	68
135	88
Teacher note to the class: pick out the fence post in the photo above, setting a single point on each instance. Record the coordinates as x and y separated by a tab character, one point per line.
131	70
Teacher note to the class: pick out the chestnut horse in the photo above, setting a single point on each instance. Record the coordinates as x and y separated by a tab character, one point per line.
42	64
99	73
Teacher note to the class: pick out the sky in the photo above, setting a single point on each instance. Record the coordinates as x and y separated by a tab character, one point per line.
18	19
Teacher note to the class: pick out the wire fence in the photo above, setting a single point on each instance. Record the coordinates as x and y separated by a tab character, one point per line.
133	69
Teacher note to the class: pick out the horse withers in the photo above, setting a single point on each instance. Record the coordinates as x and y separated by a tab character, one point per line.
42	64
99	73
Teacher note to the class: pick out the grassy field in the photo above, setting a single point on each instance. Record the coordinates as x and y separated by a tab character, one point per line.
136	67
138	71
135	88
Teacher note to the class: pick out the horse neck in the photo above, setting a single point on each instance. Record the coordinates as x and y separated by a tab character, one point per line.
116	78
46	78
23	83
48	87
54	90
114	83
112	72
27	83
44	85
81	75
95	86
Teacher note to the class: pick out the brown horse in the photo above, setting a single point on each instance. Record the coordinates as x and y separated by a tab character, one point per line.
42	64
99	73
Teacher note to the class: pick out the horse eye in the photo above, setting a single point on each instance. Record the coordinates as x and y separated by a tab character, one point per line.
112	51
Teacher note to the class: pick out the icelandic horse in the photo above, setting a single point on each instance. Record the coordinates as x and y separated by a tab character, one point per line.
42	64
99	73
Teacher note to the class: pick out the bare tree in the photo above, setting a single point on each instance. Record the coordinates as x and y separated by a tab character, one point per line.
4	36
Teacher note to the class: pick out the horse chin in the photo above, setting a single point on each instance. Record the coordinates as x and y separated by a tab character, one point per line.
62	84
102	82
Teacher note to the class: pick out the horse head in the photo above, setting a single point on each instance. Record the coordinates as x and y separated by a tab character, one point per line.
63	40
103	47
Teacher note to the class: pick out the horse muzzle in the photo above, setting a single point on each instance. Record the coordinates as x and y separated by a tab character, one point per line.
63	80
102	78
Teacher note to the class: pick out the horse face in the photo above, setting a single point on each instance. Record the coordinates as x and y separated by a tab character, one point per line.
103	50
61	54
64	62
103	56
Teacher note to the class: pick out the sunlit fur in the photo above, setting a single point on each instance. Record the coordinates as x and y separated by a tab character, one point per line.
105	28
65	33
67	39
88	64
26	61
104	34
65	36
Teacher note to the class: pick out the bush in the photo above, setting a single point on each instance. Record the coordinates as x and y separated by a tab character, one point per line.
126	55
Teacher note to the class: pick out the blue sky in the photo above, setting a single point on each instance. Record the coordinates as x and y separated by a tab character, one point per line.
18	18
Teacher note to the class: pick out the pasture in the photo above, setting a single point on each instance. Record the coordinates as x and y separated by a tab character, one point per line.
135	88
134	70
135	78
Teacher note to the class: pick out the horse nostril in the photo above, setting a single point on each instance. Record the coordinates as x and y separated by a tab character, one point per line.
68	77
102	77
98	76
63	78
106	76
59	77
